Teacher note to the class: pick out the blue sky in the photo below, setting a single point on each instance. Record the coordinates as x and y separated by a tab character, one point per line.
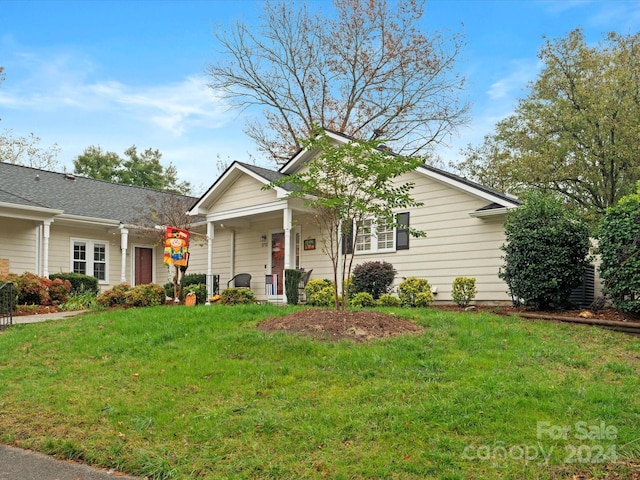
118	73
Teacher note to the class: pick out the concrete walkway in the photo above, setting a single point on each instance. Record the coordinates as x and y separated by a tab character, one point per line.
44	317
19	464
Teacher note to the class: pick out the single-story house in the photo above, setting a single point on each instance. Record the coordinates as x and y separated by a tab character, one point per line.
263	232
59	222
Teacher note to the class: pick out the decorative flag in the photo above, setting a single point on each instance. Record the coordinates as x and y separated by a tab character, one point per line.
176	246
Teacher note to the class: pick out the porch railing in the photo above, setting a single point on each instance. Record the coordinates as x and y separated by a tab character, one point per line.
6	304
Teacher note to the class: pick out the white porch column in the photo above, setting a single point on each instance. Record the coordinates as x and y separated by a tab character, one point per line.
124	243
210	234
286	220
45	247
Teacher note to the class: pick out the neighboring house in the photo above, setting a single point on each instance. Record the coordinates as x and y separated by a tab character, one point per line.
263	232
59	222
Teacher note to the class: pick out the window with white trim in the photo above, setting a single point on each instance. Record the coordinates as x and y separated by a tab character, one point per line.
89	258
375	236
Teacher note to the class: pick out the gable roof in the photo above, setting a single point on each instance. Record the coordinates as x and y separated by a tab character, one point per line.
498	200
76	196
230	175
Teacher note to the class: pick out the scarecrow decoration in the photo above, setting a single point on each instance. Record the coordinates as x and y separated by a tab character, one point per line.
176	247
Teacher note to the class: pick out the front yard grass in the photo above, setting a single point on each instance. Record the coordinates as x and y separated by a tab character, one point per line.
178	392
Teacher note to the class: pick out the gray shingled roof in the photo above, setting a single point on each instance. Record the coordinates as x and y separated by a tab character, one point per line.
76	195
452	176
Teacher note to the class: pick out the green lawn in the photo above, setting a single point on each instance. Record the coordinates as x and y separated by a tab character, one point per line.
178	392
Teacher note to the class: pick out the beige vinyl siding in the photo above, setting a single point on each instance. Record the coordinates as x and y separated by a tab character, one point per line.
245	191
456	244
18	244
61	244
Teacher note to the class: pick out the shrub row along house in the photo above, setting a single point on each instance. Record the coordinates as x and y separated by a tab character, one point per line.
56	222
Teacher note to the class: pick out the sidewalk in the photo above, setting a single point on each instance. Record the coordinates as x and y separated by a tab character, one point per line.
19	464
45	316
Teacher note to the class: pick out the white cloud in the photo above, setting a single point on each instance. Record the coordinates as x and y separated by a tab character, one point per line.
60	82
513	83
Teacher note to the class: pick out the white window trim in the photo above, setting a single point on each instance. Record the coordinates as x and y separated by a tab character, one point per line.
374	241
90	250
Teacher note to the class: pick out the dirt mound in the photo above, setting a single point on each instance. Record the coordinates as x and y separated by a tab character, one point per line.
334	325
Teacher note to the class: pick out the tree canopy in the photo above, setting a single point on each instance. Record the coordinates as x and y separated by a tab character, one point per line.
576	133
139	169
365	69
27	151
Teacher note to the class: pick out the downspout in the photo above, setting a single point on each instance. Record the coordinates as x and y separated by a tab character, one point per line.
232	254
38	250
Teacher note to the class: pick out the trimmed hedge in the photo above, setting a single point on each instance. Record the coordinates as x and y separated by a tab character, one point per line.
79	283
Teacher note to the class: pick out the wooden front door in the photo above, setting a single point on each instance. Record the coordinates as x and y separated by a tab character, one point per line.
143	265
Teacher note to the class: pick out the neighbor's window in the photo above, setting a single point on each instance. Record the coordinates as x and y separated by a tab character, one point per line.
90	258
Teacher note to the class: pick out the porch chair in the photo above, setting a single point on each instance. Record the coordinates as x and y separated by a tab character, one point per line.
302	294
241	280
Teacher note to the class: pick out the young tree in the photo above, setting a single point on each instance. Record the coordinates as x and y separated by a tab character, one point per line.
139	169
546	252
345	185
365	69
164	211
577	132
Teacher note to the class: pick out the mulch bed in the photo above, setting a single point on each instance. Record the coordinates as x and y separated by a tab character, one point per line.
363	325
327	324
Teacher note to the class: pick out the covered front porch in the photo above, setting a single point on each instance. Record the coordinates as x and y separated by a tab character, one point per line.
264	241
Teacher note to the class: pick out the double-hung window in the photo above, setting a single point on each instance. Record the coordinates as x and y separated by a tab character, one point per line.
375	236
89	258
378	236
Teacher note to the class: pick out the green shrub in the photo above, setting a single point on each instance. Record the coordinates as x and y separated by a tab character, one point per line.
193	279
325	297
291	284
147	295
463	290
34	290
168	289
59	291
363	300
545	253
424	299
409	291
200	289
115	296
81	301
375	278
79	283
619	247
237	296
315	285
388	300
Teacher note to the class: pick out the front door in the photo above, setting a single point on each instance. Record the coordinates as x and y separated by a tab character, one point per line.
277	259
143	265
